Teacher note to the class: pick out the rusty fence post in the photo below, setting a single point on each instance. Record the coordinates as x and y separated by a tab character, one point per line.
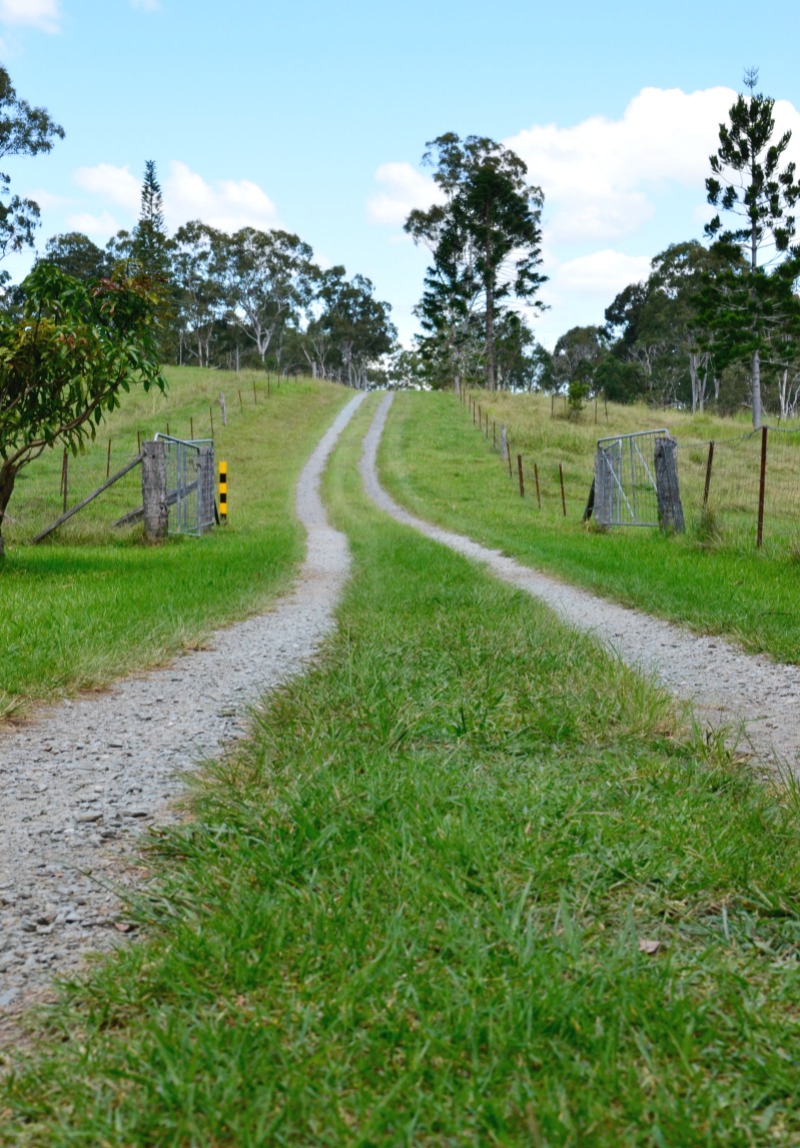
563	499
65	477
508	451
538	492
709	464
762	486
108	459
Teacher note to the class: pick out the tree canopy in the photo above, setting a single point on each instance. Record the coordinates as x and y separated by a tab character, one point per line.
24	130
66	358
485	241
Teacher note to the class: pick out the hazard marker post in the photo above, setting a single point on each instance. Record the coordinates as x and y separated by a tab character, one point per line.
223	491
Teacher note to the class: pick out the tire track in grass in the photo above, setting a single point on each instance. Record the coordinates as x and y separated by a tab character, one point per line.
756	700
80	780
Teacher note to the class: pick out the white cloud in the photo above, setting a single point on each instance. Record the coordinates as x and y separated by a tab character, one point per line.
42	14
598	176
405	189
602	273
99	227
601	177
117	184
226	204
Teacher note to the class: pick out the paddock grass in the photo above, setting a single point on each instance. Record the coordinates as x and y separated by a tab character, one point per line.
469	884
435	462
92	603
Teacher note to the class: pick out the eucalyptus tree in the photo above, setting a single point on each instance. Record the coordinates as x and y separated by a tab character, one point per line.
356	325
268	277
197	263
485	238
24	130
753	299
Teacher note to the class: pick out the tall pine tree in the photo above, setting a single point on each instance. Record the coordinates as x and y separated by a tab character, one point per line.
751	303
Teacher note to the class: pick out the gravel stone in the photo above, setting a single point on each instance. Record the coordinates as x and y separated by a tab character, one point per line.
755	700
82	778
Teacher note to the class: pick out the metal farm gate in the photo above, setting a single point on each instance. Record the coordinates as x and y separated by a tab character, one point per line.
625	479
190	484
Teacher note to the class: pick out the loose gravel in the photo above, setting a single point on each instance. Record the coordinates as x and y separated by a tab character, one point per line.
756	700
83	778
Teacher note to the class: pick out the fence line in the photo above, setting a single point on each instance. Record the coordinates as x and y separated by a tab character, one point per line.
742	492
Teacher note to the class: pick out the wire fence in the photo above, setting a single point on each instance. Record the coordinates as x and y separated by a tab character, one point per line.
744	490
740	492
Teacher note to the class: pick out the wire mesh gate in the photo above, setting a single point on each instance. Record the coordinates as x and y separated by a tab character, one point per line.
190	484
625	481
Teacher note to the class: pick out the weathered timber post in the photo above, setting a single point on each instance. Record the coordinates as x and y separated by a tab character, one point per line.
503	442
205	487
521	476
154	490
603	491
670	511
224	410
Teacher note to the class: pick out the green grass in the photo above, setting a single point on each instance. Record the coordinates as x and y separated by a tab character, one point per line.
91	604
412	911
438	465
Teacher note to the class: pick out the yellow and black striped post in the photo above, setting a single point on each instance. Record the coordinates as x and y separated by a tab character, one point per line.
223	492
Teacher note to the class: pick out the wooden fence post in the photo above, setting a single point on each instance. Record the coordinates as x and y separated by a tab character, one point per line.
224	410
538	491
670	511
521	478
603	490
154	490
563	499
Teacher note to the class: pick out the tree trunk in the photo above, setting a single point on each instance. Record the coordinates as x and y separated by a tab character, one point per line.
8	476
490	365
755	389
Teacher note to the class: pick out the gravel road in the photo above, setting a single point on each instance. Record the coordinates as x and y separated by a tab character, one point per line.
82	778
757	698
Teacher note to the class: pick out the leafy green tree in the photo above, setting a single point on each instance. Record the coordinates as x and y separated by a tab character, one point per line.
268	279
520	361
753	298
76	255
357	325
69	356
576	355
24	130
485	238
201	300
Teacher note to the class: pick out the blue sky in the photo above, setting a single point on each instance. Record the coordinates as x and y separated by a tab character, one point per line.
314	117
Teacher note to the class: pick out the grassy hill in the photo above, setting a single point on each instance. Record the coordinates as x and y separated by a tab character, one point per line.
435	461
91	603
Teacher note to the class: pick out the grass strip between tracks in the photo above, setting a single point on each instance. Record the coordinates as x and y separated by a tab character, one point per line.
434	462
469	884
